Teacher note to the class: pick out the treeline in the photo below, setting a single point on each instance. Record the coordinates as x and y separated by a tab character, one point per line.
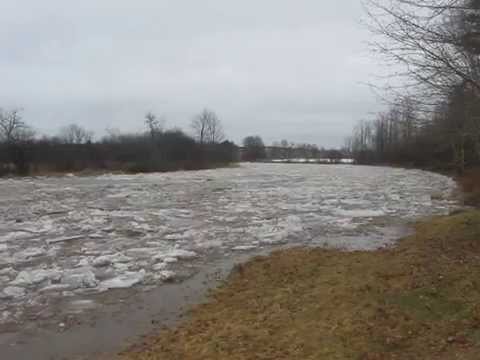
285	149
254	149
434	119
74	148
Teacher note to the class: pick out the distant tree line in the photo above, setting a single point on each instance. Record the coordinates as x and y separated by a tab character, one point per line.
434	117
74	148
285	149
254	149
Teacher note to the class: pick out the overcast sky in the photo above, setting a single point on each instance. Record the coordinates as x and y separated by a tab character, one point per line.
277	68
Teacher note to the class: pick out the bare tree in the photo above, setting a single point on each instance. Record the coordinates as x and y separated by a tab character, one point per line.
215	133
436	41
75	134
438	44
254	149
207	128
199	127
154	125
12	127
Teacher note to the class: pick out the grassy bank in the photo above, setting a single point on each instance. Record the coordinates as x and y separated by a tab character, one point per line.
420	300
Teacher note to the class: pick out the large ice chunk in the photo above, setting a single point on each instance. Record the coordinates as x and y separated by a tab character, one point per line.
166	275
65	239
124	281
13	292
176	254
80	278
29	253
106	260
360	213
35	276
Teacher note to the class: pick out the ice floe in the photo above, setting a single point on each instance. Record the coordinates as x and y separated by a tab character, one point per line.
35	276
244	248
126	280
4	316
176	254
30	253
360	213
79	278
14	292
66	238
165	275
106	260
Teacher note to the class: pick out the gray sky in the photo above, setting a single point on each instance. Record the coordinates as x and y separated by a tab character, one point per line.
277	68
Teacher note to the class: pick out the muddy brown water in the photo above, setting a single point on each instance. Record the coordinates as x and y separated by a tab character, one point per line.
107	330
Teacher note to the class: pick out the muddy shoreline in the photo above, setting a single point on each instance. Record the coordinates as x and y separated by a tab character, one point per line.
127	317
113	328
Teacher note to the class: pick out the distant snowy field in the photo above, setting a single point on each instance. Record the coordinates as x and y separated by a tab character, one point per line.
74	237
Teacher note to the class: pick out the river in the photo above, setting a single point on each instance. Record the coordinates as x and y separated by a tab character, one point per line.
76	252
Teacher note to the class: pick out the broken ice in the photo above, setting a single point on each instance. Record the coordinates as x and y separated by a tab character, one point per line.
77	236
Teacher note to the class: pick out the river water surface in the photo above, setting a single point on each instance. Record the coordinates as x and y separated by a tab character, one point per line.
68	243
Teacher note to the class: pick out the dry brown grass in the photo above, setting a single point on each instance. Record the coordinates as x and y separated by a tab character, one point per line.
418	301
470	184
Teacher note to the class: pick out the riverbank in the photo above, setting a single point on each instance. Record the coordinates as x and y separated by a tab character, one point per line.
118	170
470	185
419	300
140	233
